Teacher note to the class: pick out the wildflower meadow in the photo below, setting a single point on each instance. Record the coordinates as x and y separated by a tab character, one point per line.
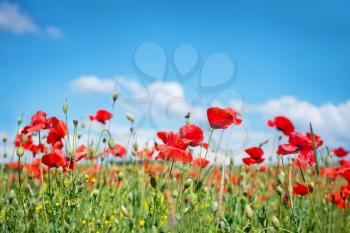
57	182
128	116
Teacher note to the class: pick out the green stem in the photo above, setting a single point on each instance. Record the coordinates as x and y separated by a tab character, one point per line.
21	194
310	198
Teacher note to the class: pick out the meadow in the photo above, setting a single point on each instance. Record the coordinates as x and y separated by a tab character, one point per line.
53	181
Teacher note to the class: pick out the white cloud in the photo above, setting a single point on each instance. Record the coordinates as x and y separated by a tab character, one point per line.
54	32
332	121
161	102
92	83
12	19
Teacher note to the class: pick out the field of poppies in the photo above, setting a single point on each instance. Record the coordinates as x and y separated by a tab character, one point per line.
56	180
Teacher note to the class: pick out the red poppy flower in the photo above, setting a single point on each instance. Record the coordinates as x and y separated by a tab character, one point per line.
301	189
57	131
306	157
145	153
255	156
24	140
54	159
300	140
200	162
191	133
302	144
340	152
38	122
263	168
174	154
222	118
14	165
174	148
117	150
205	146
255	152
172	139
286	149
336	198
344	163
81	153
282	124
37	149
101	116
250	161
345	172
34	168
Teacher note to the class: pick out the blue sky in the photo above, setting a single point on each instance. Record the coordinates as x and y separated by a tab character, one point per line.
296	49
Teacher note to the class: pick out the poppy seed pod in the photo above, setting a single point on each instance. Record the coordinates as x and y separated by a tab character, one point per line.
130	117
281	177
111	142
188	183
115	96
249	212
275	222
65	107
20	120
4	139
20	151
279	190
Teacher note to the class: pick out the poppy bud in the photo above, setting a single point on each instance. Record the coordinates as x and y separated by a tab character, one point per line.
70	152
232	162
20	120
24	139
153	182
185	210
124	211
312	184
187	117
214	206
115	95
130	196
95	193
4	139
120	175
136	146
193	199
175	193
65	106
281	177
188	183
111	142
279	190
75	122
130	117
83	125
249	212
275	222
12	195
20	151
